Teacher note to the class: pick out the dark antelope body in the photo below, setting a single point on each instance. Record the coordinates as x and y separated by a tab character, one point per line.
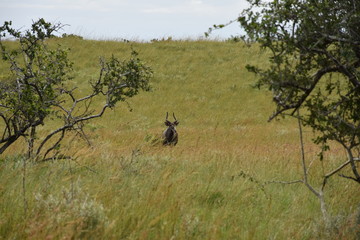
170	135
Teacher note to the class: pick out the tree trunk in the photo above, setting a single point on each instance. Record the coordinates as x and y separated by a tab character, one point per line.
31	142
353	165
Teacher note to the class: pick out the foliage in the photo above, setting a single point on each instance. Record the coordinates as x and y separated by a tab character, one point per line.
314	49
36	88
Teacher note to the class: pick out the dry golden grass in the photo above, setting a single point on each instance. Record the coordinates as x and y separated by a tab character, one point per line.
210	186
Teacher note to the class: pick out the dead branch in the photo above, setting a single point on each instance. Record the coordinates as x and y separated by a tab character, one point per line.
69	126
284	182
336	171
56	144
349	177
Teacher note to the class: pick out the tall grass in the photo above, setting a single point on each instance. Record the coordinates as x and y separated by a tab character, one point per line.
210	186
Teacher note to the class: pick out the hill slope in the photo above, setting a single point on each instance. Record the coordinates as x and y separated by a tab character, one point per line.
210	186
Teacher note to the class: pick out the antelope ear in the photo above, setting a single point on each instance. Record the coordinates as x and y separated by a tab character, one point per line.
176	123
167	123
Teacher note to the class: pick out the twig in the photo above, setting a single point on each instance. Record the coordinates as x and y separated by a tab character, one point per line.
348	177
310	164
284	182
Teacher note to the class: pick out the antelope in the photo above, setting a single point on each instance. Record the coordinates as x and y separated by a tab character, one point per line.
170	135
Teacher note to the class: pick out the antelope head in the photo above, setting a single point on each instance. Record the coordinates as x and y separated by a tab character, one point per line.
170	135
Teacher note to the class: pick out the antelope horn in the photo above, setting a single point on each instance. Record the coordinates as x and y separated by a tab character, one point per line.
174	116
167	114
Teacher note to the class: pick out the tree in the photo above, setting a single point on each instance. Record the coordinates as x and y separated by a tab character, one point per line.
314	63
36	89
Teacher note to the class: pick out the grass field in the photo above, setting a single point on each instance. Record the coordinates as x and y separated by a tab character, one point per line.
210	186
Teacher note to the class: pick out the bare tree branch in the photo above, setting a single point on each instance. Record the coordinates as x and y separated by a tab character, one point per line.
349	177
69	126
303	163
284	182
56	144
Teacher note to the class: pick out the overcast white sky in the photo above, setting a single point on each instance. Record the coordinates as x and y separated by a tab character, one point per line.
129	19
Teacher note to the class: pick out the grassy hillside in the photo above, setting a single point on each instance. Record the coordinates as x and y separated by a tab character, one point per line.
210	186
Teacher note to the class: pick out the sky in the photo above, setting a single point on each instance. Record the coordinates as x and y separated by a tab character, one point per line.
140	20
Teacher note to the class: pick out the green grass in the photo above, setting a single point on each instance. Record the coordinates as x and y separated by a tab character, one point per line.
207	187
